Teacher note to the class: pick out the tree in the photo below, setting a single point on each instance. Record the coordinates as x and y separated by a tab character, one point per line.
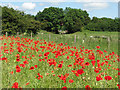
14	21
103	24
51	17
75	19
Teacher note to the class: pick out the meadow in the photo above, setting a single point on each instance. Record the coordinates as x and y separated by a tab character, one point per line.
57	61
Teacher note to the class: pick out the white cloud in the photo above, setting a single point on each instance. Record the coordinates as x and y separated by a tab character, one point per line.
29	6
93	6
10	5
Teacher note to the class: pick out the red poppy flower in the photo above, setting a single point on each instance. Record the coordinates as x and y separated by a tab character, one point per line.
107	77
27	83
64	88
118	86
77	74
4	58
38	78
60	61
93	63
71	81
43	59
98	61
33	55
46	54
18	70
17	59
98	78
70	65
98	65
40	60
11	72
46	57
102	63
118	73
67	57
60	65
15	85
40	55
87	63
22	65
4	43
17	67
17	55
98	47
80	71
96	70
87	87
25	62
32	68
35	66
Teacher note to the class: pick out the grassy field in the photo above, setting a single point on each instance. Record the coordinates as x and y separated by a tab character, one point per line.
88	43
56	61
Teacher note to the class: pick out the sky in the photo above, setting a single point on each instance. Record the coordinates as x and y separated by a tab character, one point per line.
98	8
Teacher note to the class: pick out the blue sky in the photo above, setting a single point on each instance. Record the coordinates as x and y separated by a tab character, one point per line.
97	9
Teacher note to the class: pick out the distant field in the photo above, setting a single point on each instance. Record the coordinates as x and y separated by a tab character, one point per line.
88	43
57	61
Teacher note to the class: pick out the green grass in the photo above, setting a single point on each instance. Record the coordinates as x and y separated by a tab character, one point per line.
89	43
50	81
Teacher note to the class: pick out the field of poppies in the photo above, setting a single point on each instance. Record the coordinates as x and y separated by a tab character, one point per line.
37	63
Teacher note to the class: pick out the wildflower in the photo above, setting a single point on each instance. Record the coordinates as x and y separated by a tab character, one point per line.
27	83
25	62
118	73
98	47
11	72
80	71
22	65
67	57
64	88
15	85
93	63
107	77
71	81
32	68
87	63
35	66
96	70
98	78
4	43
18	70
60	65
70	65
17	59
87	87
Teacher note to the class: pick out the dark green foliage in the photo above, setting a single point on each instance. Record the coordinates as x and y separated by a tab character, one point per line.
51	18
55	19
75	19
103	24
14	21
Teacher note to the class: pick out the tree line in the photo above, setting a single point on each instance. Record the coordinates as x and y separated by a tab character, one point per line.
53	19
